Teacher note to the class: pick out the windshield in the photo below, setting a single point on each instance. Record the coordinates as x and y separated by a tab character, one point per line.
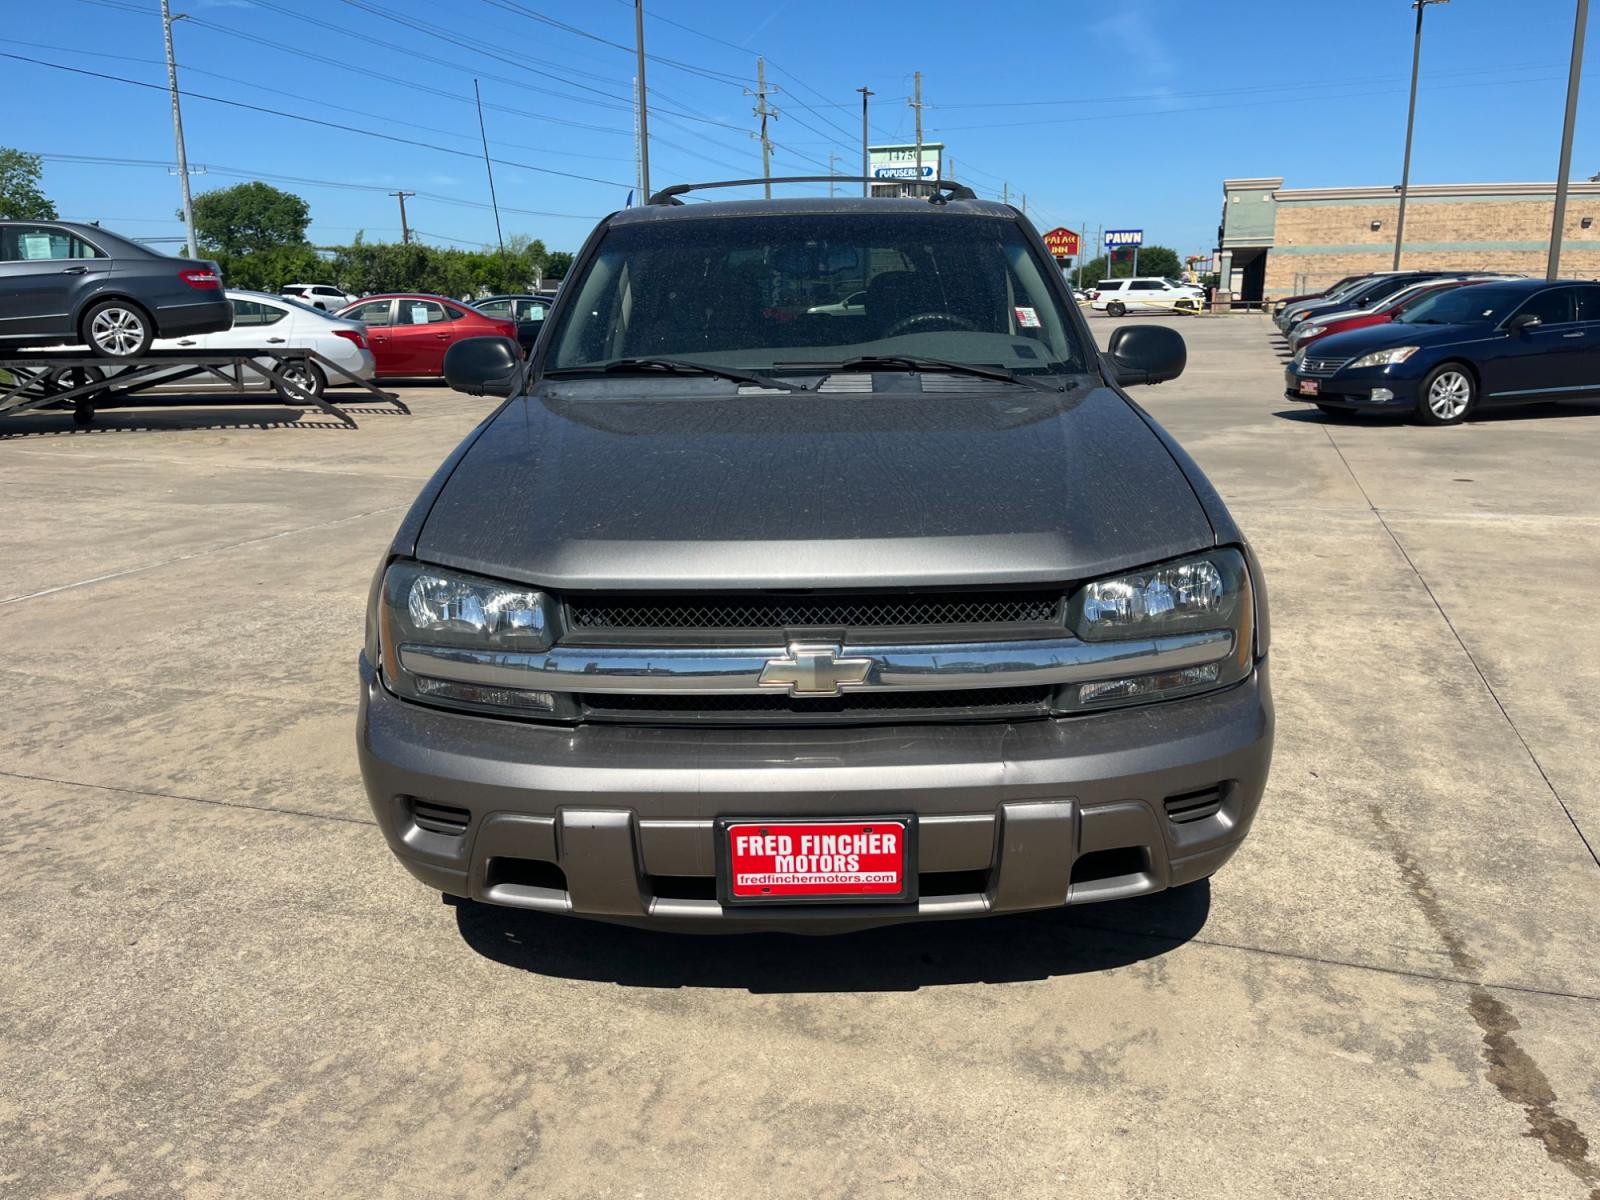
788	293
1477	304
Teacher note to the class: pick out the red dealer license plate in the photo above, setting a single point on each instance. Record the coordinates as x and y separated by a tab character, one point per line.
816	861
1310	387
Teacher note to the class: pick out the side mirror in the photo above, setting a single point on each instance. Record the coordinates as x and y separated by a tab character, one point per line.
1147	353
1523	321
483	366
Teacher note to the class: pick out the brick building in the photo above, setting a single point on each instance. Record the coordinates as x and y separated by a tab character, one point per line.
1278	241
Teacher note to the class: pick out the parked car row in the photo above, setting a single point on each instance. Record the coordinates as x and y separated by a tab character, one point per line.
1450	349
64	283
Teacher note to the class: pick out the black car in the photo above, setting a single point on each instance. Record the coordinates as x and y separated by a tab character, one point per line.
526	310
739	614
67	284
1374	290
1451	353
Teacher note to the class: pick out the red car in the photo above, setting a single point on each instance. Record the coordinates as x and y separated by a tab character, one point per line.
410	333
1381	315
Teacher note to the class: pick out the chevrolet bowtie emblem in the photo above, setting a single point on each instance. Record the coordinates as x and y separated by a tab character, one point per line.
813	670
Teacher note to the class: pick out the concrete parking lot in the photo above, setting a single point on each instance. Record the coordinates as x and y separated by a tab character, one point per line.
218	982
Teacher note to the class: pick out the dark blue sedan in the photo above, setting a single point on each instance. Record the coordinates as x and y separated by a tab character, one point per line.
1455	352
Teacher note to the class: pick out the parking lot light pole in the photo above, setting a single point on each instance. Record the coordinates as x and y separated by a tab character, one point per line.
866	155
644	117
177	125
1411	116
1560	215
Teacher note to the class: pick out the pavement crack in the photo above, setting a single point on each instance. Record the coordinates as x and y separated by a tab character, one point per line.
166	562
155	795
1466	651
1512	1070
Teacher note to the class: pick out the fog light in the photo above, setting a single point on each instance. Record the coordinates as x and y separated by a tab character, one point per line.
1135	687
1381	395
499	697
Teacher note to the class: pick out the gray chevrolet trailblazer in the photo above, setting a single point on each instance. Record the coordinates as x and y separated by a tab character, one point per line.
815	574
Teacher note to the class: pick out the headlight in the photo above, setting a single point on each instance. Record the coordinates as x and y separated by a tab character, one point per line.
1198	613
1383	358
1309	331
434	616
1298	357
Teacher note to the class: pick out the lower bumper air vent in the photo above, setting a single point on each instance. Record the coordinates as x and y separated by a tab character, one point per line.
440	818
1194	806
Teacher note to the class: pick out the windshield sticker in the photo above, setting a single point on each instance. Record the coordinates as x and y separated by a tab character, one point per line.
1027	318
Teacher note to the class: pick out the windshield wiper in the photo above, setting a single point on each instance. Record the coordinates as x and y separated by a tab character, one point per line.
621	365
914	362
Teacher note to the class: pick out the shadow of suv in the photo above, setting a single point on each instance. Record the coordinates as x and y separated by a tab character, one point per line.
66	284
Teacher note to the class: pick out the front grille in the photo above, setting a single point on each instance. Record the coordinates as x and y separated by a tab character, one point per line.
965	705
760	612
1321	366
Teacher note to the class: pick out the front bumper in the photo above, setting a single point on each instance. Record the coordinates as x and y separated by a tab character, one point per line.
1361	389
617	822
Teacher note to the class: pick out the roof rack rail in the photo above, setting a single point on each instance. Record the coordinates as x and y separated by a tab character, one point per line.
957	191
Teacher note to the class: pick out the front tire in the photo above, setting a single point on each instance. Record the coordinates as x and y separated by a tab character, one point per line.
1447	396
118	329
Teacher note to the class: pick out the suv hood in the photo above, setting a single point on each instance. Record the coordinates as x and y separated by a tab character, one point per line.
589	485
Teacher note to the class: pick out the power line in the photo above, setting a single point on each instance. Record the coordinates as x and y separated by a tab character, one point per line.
277	112
347	66
303	181
188	70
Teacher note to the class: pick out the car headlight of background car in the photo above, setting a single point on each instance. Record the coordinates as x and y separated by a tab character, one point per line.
1203	605
1309	331
478	627
1384	358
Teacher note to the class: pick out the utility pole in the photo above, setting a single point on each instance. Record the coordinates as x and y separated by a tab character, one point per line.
405	230
638	179
1411	116
866	155
644	120
917	105
1005	193
761	110
832	171
177	124
1573	74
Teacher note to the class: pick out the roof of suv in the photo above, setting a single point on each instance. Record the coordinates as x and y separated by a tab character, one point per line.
807	206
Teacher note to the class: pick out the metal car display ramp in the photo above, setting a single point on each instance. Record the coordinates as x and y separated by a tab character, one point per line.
87	382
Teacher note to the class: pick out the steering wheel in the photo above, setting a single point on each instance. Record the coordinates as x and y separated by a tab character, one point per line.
927	321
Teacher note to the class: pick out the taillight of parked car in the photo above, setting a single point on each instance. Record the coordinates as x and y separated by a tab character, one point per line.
199	278
350	335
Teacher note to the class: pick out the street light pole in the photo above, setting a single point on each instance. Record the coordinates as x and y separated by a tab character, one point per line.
1560	215
866	155
1411	116
177	125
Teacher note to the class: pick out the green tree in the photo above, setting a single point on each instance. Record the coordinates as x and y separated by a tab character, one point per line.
1153	261
557	265
250	217
20	197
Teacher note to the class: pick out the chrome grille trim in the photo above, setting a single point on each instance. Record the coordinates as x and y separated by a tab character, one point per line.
1321	367
694	670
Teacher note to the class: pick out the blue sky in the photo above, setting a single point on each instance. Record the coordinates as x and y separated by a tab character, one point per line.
1126	114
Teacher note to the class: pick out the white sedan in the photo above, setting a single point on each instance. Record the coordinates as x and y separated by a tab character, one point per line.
263	321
